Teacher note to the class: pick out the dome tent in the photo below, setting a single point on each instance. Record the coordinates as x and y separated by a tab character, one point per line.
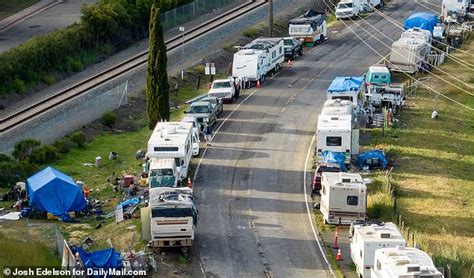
55	192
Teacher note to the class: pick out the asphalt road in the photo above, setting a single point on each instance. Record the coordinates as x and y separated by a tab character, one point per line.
250	195
64	14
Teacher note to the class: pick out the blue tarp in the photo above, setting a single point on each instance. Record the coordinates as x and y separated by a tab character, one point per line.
106	258
426	21
55	192
335	157
345	84
133	201
369	157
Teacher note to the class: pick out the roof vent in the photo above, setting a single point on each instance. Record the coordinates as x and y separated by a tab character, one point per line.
384	235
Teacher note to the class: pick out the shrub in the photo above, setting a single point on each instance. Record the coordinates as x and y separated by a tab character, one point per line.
19	86
24	148
73	65
44	154
63	145
108	119
10	172
79	138
252	32
48	79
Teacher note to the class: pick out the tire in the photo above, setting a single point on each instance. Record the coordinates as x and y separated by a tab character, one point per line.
262	78
293	56
300	51
277	67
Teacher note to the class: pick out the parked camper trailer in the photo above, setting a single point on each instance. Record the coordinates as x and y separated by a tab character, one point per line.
367	238
173	140
408	55
173	219
343	198
381	92
311	27
253	61
397	262
418	33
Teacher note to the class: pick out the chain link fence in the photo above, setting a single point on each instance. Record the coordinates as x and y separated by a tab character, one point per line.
190	11
68	117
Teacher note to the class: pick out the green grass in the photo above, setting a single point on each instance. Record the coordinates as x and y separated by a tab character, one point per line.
433	162
8	8
22	253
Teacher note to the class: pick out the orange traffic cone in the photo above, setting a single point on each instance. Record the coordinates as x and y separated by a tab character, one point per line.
336	234
190	183
289	62
258	84
339	255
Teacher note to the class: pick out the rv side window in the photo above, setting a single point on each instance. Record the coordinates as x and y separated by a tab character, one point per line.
376	76
177	161
333	141
352	200
281	49
274	54
324	190
379	265
383	77
165	149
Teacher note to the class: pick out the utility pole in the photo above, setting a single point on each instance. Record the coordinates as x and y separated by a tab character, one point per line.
270	18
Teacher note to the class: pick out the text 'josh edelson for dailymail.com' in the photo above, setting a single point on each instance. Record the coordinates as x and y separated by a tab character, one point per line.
51	272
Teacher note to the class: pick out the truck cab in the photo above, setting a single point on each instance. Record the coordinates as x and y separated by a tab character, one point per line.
223	89
348	9
203	112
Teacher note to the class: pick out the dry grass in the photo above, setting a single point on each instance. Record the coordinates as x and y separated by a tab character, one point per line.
433	162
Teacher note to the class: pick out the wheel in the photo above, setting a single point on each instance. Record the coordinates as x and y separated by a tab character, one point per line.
292	57
300	52
277	67
262	78
322	39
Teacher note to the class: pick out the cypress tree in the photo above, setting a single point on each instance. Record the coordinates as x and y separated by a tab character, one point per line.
157	86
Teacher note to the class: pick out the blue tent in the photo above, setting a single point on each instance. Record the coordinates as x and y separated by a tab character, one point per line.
106	258
345	84
55	192
335	157
426	21
373	158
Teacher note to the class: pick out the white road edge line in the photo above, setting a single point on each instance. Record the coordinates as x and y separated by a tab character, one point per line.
310	216
217	130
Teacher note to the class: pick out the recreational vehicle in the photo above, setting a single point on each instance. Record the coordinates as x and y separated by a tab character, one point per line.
253	61
381	92
453	11
311	27
398	262
347	88
366	238
408	55
173	140
336	133
334	107
343	198
173	219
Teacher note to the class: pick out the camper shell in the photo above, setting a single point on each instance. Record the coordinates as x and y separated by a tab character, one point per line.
398	262
173	140
173	218
310	27
367	238
347	88
343	198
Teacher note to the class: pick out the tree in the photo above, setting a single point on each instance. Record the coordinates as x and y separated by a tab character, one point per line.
157	86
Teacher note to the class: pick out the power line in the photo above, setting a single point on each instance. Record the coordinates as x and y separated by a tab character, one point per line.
409	76
455	59
459	80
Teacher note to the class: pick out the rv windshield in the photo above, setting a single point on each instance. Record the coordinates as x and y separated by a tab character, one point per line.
288	42
172	212
161	181
344	6
199	109
221	85
161	172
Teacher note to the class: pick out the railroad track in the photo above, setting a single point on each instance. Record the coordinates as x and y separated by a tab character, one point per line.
26	113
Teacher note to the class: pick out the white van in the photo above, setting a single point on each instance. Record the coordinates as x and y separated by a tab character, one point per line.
173	140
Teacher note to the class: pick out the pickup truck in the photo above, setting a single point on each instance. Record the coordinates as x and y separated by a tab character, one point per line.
223	89
216	104
203	111
292	47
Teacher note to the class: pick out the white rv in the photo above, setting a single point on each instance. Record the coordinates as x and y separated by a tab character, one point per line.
336	133
311	27
350	88
343	198
399	262
173	219
253	61
408	55
173	140
196	129
334	107
453	11
418	33
367	238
